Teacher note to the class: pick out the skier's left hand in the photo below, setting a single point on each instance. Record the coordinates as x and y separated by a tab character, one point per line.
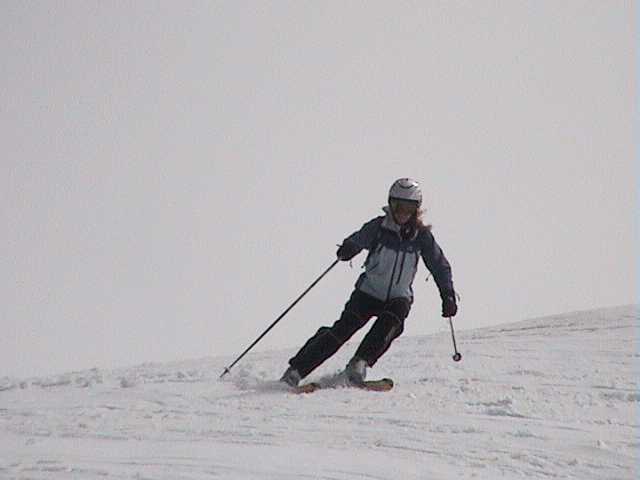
449	305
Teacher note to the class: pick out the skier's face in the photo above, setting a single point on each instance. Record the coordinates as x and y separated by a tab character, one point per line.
402	218
403	211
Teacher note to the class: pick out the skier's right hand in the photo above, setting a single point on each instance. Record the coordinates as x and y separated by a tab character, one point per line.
347	251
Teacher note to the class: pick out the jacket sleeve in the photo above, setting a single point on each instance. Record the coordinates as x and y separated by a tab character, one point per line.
365	237
436	263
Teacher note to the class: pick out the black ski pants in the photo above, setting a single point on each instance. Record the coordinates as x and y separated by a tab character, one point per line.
357	312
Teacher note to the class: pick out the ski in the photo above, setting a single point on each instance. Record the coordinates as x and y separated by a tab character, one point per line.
382	385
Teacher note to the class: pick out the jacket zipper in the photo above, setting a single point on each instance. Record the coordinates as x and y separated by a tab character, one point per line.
404	256
393	273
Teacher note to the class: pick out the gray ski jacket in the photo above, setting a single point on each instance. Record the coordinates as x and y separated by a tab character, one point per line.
392	262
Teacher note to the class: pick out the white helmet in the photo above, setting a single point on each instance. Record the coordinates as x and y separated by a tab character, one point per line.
406	189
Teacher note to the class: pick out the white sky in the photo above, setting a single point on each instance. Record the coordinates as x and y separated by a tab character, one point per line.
174	174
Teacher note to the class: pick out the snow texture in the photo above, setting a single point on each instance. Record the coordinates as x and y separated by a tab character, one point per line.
554	397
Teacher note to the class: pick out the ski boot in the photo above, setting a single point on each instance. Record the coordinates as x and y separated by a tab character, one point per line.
291	377
356	371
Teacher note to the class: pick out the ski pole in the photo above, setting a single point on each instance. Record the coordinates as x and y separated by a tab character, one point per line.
228	369
457	355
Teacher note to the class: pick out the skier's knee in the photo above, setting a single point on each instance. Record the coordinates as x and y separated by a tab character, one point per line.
329	333
398	328
349	323
394	324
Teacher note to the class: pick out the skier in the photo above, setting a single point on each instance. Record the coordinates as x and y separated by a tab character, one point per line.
395	242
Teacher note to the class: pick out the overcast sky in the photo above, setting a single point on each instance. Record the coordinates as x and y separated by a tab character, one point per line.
174	174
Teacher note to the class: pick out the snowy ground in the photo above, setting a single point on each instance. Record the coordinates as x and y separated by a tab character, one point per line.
548	398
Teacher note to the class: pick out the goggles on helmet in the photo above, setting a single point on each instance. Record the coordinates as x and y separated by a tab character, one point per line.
407	207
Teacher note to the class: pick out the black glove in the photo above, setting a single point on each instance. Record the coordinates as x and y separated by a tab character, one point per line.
449	305
347	251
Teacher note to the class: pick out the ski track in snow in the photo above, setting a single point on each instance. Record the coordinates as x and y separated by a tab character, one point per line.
555	397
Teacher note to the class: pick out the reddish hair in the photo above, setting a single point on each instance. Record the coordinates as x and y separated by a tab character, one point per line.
420	225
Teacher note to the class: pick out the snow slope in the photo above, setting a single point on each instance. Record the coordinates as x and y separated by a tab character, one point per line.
553	397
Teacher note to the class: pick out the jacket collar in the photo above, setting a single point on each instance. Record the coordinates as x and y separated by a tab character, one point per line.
390	224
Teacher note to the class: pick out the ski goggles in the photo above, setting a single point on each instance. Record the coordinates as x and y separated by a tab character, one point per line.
407	207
